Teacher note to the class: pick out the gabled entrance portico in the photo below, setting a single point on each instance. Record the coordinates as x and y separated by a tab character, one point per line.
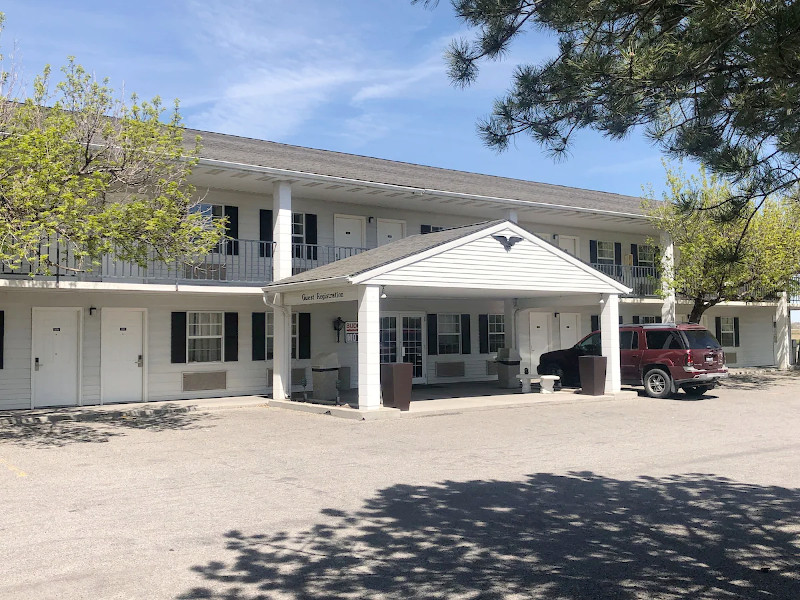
497	260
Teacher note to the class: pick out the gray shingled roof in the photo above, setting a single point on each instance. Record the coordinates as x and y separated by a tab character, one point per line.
383	255
249	151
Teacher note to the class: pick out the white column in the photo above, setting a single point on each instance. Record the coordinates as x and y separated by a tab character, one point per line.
282	353
282	232
669	309
609	329
511	215
509	308
783	333
369	350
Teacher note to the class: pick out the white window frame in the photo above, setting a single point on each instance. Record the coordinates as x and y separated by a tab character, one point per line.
298	224
649	252
648	319
727	327
220	337
448	334
269	330
605	252
497	332
294	336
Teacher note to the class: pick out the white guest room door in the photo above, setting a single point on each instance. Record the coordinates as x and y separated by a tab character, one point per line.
55	358
540	337
390	230
348	232
122	354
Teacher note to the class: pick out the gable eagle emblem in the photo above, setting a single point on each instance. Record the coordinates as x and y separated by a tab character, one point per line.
507	242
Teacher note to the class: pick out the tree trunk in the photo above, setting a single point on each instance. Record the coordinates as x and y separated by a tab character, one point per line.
698	308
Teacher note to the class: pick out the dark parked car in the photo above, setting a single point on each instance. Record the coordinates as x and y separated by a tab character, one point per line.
662	357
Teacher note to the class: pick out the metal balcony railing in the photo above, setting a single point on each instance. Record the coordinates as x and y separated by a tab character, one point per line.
234	261
644	281
310	256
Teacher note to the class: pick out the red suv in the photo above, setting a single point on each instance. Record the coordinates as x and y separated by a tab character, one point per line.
662	357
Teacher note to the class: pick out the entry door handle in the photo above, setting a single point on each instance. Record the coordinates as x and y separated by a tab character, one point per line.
140	361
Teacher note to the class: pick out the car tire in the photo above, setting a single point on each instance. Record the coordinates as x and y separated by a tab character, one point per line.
698	390
657	383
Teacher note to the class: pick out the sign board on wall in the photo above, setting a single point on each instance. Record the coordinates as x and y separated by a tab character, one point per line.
350	331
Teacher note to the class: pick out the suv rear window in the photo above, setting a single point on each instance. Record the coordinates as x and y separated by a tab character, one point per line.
700	339
663	340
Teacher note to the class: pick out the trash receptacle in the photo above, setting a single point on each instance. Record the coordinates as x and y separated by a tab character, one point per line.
508	368
324	373
592	371
396	385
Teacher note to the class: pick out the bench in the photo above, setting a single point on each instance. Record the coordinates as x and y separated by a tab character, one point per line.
546	383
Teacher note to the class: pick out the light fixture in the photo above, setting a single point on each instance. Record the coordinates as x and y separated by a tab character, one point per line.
556	315
370	219
383	292
338	323
92	310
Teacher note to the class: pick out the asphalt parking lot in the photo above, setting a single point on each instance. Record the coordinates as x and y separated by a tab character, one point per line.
630	499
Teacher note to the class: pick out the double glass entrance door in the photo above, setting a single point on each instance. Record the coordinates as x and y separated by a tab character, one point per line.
402	340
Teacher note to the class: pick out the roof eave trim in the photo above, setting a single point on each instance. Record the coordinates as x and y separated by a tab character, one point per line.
290	175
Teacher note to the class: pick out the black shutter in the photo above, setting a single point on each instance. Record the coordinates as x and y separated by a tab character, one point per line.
483	334
718	326
424	228
466	338
592	251
265	232
433	335
658	319
617	253
595	322
259	336
231	340
635	253
232	229
2	335
736	331
304	335
311	236
178	345
635	319
620	319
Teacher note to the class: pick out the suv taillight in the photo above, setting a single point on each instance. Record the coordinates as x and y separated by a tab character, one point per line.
689	359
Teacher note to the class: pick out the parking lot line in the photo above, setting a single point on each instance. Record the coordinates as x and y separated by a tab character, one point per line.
19	472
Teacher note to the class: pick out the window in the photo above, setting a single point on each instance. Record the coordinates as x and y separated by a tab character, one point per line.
269	327
449	334
431	228
647	256
591	345
298	228
628	340
648	319
497	332
663	340
727	332
605	252
211	212
294	335
204	336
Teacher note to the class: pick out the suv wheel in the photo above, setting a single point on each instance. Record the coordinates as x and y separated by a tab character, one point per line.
657	383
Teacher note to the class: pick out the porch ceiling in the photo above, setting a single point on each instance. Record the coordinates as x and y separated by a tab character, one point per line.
373	195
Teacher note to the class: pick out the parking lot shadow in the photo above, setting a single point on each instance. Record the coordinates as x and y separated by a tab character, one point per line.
97	430
578	537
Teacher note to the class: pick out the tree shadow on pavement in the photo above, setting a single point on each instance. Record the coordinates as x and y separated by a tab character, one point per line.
97	430
760	381
578	537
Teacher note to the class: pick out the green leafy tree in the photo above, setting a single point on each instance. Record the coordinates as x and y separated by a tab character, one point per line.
708	80
749	258
85	174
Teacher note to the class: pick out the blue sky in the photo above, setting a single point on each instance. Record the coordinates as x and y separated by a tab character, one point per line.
359	76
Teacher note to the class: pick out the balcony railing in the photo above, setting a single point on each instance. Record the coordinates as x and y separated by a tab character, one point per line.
644	281
310	256
234	261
